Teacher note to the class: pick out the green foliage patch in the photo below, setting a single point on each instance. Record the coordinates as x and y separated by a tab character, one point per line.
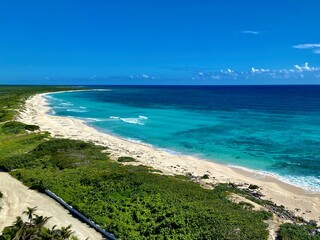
126	159
60	153
290	231
12	98
131	201
14	127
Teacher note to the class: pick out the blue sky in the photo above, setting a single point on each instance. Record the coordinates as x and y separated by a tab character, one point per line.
159	42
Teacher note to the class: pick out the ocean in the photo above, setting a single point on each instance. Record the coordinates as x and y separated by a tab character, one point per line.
274	130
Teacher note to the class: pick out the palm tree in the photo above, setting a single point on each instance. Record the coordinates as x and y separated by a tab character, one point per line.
29	212
50	234
40	221
34	229
65	232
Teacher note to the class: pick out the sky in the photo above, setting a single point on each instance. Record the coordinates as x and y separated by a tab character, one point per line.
159	42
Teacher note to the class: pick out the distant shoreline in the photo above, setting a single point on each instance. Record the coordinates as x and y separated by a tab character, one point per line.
292	197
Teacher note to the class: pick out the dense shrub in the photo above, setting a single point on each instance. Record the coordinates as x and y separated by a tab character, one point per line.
61	153
126	159
12	98
134	203
290	231
17	127
18	161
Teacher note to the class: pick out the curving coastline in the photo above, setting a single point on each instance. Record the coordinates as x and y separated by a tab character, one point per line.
291	197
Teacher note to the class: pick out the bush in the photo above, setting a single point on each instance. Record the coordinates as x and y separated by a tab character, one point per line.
205	176
134	203
14	127
18	161
246	205
290	231
126	159
61	153
252	186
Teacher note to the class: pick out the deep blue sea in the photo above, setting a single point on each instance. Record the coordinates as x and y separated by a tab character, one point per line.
272	129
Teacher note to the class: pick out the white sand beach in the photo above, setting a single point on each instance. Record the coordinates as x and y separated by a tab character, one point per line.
293	198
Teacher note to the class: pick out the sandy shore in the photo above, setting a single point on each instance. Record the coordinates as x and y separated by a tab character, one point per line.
291	197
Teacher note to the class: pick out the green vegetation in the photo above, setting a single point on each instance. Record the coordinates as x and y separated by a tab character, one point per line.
126	159
290	231
205	176
18	127
130	201
34	228
12	98
246	205
252	186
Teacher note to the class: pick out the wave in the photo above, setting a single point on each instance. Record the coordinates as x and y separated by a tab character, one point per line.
49	97
53	112
76	110
139	121
309	183
66	104
88	119
101	90
132	120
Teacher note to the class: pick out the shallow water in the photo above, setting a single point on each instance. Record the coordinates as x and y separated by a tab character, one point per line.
274	129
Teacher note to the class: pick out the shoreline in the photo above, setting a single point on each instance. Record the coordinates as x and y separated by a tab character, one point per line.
281	193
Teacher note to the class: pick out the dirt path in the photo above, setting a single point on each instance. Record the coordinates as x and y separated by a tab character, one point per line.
17	197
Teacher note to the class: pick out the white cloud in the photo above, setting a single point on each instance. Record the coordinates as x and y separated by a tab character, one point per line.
306	67
261	70
228	71
298	68
145	76
304	71
215	77
314	46
307	45
250	32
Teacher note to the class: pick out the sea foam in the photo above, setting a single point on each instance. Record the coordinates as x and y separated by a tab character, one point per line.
139	120
309	183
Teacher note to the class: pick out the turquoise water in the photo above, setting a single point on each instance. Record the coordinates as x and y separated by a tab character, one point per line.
273	129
